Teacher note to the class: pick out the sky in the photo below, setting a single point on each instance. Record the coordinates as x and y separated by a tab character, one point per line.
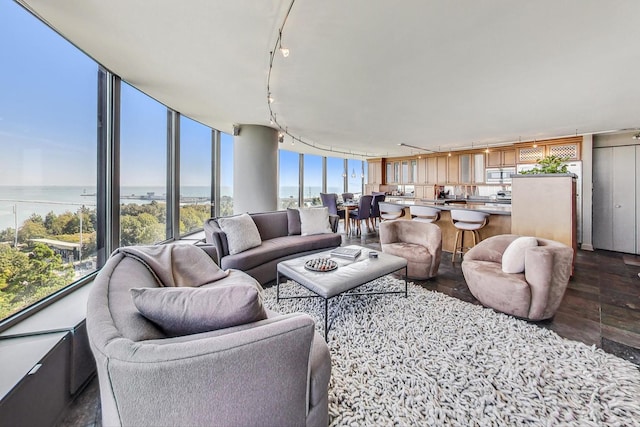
48	101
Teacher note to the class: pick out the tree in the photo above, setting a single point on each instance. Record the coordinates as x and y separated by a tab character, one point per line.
143	229
31	230
27	278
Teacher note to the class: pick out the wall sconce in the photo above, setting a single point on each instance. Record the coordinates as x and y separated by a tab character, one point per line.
236	130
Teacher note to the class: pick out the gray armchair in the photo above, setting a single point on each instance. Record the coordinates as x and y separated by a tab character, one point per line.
273	371
534	294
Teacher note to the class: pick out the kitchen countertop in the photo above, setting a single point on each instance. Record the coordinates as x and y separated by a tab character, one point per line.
495	210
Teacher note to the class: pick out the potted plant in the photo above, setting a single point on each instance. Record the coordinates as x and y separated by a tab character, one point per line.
549	164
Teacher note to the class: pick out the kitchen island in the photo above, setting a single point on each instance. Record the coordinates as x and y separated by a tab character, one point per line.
499	219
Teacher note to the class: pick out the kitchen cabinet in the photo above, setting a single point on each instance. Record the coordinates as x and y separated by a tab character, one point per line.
422	171
478	167
389	173
500	158
441	170
466	168
432	170
375	171
565	147
453	171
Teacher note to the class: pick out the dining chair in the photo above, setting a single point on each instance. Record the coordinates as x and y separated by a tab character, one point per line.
347	196
362	213
330	200
375	207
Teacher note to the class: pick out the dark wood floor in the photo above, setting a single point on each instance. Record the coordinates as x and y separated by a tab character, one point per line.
601	307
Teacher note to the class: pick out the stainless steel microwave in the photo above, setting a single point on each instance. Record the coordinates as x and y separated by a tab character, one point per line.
499	175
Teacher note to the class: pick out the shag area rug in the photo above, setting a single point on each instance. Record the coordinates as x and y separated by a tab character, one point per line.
431	359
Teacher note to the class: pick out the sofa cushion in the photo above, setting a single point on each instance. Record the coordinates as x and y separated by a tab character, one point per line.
241	232
314	221
293	222
513	256
185	311
279	247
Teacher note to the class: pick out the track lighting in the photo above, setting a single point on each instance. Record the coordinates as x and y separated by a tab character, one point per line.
270	98
280	137
636	136
283	50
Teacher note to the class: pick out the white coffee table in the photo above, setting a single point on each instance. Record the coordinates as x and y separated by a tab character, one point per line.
349	275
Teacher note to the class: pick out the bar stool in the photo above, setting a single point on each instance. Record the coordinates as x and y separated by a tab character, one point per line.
464	220
424	213
389	211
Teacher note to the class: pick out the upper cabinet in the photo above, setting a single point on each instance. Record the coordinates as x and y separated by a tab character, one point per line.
500	158
375	171
453	171
472	168
565	147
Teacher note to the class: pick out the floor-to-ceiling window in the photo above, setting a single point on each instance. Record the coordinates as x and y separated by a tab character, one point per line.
48	97
335	178
289	179
354	176
226	174
143	168
312	180
195	174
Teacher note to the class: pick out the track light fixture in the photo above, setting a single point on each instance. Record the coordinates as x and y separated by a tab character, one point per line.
280	137
270	98
283	50
636	136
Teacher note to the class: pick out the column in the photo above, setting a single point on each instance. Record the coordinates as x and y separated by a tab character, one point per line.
255	169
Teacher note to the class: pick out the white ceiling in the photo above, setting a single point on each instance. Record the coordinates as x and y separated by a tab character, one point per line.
366	75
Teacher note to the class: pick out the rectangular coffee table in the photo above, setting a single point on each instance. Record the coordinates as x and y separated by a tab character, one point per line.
349	275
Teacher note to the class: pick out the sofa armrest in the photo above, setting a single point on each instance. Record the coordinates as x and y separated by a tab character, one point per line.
211	250
257	376
547	270
216	237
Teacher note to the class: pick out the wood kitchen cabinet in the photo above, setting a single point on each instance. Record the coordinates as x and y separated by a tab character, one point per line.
500	158
441	170
432	170
375	171
453	171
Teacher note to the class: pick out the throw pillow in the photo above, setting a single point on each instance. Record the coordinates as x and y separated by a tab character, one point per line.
185	311
241	231
293	221
513	256
314	221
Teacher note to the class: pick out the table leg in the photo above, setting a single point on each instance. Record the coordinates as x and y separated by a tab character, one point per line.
347	227
406	287
326	317
278	287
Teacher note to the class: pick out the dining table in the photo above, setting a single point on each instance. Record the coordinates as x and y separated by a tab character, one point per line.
346	207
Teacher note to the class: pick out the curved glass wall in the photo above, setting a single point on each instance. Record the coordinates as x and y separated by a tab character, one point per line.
312	180
48	175
195	174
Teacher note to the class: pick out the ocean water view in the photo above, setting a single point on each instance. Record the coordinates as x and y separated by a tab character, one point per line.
17	203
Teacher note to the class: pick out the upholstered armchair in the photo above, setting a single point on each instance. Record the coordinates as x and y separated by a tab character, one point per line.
192	345
419	243
526	281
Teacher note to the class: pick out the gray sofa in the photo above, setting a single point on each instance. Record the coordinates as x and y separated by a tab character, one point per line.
277	244
273	371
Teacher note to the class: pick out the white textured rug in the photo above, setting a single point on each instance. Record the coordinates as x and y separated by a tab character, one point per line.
430	359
